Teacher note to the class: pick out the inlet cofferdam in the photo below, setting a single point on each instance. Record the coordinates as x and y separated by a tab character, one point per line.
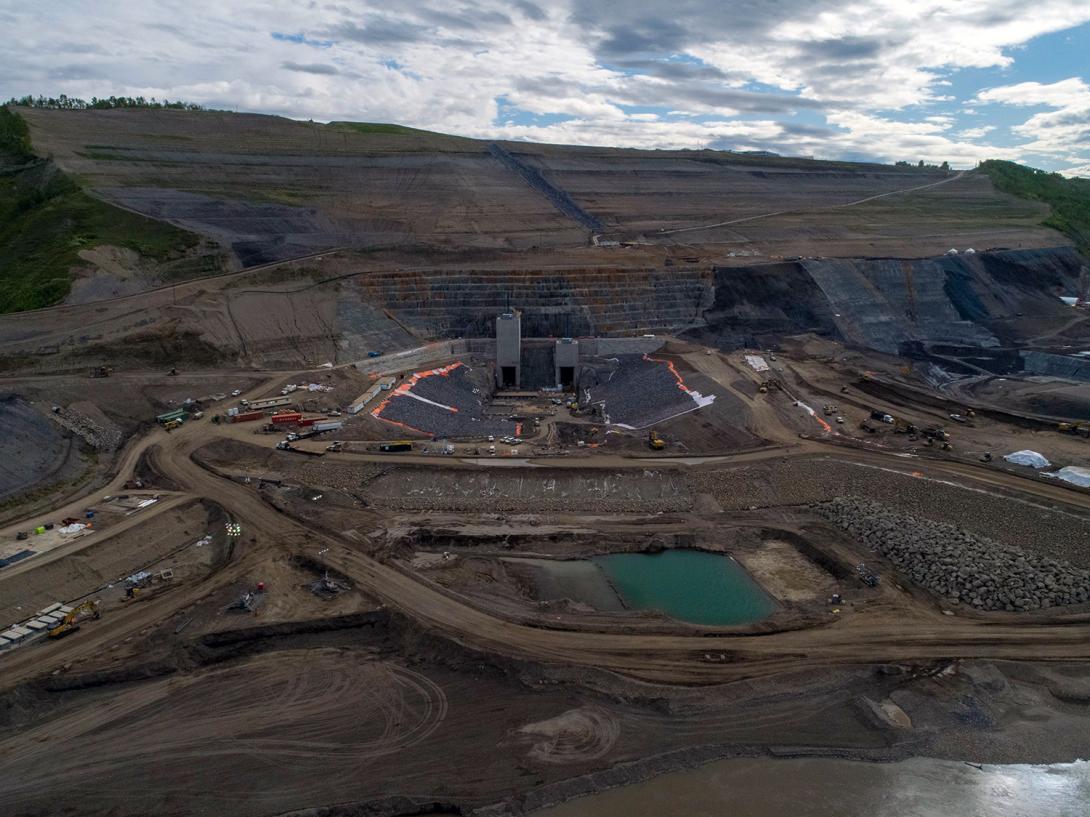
883	304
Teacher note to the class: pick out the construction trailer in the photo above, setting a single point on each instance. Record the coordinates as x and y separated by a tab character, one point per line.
267	403
248	416
177	416
358	405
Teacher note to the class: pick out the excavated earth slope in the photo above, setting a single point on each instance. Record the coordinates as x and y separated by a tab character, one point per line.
273	188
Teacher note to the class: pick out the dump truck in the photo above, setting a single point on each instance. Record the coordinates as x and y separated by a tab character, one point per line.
70	623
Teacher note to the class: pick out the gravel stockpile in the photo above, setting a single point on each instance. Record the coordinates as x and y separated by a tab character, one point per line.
446	402
804	481
958	565
637	391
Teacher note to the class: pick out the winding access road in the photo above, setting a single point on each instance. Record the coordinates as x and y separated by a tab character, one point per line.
903	633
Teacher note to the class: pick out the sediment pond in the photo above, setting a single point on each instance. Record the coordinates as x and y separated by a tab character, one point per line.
688	585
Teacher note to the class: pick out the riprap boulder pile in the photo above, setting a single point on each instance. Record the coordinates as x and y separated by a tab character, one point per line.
959	565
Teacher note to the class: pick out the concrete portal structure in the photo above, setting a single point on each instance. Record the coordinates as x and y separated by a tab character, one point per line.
509	350
566	362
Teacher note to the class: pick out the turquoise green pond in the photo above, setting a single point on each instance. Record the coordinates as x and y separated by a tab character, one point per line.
688	585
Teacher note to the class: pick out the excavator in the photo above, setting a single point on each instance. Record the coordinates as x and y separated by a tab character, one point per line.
89	609
655	441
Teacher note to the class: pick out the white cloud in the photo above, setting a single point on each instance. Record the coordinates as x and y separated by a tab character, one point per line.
1062	94
976	133
726	75
1064	131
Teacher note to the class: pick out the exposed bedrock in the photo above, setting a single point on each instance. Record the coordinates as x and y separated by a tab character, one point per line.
890	304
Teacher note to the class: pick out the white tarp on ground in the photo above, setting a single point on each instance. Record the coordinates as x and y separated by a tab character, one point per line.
70	530
1073	474
757	363
1027	457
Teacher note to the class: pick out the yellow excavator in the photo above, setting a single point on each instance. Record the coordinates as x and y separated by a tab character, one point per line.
89	609
655	441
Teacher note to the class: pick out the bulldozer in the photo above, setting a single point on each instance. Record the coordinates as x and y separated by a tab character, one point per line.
767	386
655	441
89	609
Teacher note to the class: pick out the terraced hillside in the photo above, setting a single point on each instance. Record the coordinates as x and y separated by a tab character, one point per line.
273	188
385	237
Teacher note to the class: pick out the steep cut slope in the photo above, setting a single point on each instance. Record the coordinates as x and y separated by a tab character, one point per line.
58	242
965	300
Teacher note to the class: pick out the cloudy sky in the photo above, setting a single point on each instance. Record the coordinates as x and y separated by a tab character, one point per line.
954	80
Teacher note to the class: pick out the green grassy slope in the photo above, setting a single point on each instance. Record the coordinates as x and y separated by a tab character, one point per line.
46	219
1068	198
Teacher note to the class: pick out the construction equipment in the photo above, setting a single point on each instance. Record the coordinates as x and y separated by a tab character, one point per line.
655	441
102	371
867	575
1082	429
89	609
172	373
250	600
170	425
936	432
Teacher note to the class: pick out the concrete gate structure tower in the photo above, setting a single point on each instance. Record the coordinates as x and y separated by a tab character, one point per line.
509	350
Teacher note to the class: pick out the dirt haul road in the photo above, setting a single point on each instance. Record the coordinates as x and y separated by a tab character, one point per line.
872	638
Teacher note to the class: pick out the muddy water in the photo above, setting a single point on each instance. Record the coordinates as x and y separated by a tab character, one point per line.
919	787
688	585
576	579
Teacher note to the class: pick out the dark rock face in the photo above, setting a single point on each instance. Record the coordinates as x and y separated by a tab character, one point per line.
889	304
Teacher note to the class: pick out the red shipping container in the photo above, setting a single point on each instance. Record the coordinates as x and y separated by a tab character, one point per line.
247	416
287	417
307	421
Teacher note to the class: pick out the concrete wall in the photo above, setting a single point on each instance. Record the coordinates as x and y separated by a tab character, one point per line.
604	347
566	355
509	346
